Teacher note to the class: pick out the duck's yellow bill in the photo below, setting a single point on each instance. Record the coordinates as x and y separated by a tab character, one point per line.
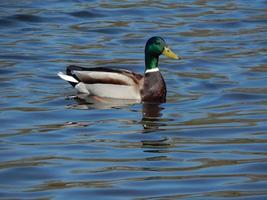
167	52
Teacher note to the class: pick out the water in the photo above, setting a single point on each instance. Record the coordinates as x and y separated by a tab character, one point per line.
208	141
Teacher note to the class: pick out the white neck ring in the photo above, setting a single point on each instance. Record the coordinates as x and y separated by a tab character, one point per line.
152	70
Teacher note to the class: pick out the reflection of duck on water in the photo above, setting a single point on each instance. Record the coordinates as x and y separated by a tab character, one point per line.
151	116
151	112
83	101
152	121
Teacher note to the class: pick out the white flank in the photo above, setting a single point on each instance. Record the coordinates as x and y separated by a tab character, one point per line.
114	91
152	70
67	77
106	75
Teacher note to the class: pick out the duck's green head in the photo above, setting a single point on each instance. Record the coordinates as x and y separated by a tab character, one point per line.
156	46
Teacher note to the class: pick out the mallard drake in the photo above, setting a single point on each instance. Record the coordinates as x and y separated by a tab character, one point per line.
121	83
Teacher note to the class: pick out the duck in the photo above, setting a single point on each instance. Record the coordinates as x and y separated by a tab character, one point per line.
116	83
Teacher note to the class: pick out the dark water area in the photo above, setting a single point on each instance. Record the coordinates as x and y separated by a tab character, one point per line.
208	141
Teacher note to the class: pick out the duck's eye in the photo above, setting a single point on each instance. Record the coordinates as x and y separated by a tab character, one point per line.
157	43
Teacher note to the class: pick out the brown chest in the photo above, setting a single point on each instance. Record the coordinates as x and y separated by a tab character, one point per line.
154	89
